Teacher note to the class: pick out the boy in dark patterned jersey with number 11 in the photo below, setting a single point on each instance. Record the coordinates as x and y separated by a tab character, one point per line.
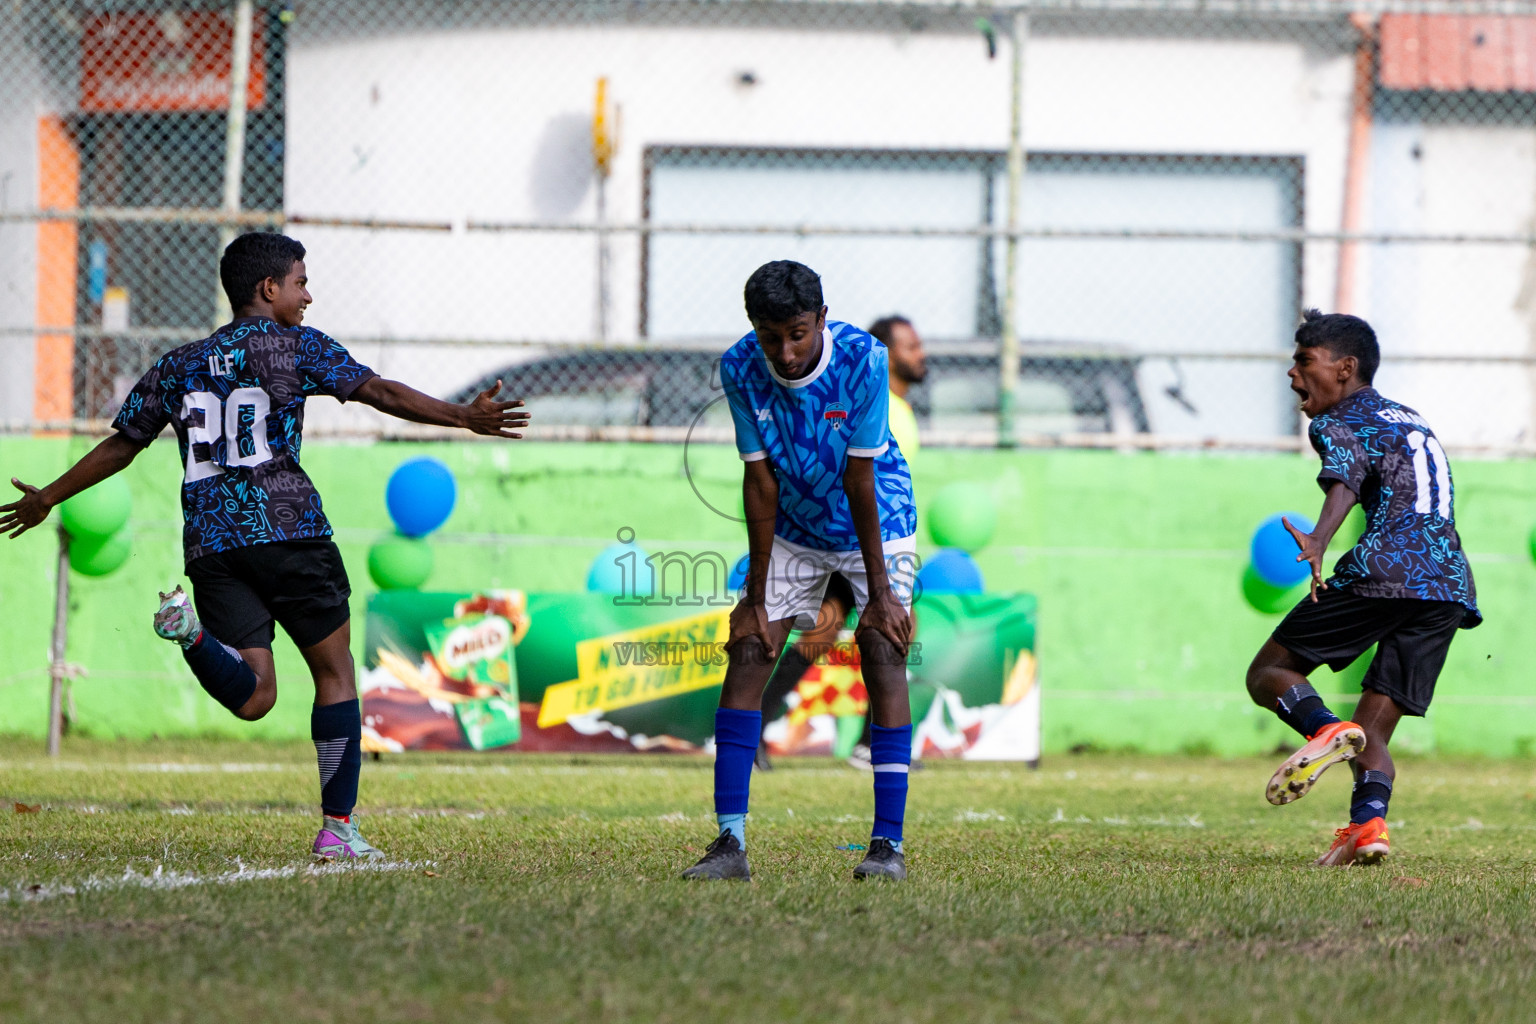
258	546
1405	586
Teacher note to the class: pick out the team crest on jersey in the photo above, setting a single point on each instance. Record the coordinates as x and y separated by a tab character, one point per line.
836	414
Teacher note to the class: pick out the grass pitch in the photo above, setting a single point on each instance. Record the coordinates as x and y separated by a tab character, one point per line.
171	883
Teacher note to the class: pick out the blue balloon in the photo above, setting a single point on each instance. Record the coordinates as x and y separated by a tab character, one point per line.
739	573
420	496
1273	552
950	571
621	569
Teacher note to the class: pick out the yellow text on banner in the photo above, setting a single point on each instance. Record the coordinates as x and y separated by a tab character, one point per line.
641	665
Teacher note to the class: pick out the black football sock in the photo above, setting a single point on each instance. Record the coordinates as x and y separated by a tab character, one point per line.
221	671
1303	710
337	730
1373	790
786	676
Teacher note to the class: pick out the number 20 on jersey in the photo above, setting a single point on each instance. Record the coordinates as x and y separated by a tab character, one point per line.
246	447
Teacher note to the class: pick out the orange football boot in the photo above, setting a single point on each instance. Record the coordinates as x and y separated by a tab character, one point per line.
1357	844
1340	741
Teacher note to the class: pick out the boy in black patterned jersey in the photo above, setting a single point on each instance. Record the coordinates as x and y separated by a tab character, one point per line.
1405	586
257	544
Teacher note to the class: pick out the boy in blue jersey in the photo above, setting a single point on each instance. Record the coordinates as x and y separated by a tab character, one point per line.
1405	586
826	493
257	544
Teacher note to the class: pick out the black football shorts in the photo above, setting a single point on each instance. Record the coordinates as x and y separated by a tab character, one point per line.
302	584
1412	639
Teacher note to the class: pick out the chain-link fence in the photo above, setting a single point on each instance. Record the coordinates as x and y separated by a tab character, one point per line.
1132	199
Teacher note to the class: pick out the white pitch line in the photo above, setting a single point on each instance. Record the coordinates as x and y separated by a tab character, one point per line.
163	879
163	767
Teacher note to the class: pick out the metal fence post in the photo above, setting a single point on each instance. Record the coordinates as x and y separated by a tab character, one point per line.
57	648
234	141
1008	357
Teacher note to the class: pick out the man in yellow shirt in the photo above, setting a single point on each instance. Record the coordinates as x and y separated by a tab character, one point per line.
908	366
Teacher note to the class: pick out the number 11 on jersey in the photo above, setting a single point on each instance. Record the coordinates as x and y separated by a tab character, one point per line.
1426	450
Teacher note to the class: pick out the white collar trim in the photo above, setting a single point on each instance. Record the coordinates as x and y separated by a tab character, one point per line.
821	365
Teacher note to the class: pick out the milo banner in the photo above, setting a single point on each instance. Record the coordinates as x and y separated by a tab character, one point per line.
575	672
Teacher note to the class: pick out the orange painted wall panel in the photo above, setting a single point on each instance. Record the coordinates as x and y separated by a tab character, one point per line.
1455	53
1522	54
1399	54
1488	57
1442	46
58	189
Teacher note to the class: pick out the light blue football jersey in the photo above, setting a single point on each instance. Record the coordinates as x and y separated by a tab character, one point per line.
807	428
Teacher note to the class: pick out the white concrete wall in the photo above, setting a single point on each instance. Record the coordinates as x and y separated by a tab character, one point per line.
19	110
492	125
1449	300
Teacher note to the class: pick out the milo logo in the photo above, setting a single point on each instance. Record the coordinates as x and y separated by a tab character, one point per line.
473	642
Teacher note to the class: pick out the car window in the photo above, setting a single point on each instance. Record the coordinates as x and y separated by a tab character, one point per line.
616	402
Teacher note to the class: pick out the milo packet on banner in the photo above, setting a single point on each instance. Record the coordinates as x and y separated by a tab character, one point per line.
489	722
474	655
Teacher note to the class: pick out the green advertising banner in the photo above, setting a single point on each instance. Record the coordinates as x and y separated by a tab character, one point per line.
576	672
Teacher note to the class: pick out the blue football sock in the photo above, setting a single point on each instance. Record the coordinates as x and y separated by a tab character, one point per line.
736	825
221	671
1373	790
890	753
736	736
337	730
1303	710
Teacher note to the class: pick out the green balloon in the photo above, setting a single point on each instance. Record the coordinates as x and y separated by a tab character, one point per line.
97	556
99	511
1533	542
400	563
1266	597
962	515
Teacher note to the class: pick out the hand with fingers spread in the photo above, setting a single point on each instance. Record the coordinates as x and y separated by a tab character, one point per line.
26	512
1313	548
485	415
885	614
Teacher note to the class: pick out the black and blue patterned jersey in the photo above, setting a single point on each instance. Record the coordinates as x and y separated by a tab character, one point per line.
236	402
1387	455
807	428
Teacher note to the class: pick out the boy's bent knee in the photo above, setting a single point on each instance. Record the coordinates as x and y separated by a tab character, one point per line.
1273	671
254	710
262	700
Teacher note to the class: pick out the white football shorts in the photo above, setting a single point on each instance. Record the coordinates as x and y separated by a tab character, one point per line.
798	577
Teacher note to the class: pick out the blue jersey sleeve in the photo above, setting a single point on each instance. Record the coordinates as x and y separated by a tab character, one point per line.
749	440
869	428
147	408
326	367
1345	459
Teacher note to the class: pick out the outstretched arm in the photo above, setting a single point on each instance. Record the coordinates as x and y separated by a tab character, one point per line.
883	612
1314	545
484	415
110	456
